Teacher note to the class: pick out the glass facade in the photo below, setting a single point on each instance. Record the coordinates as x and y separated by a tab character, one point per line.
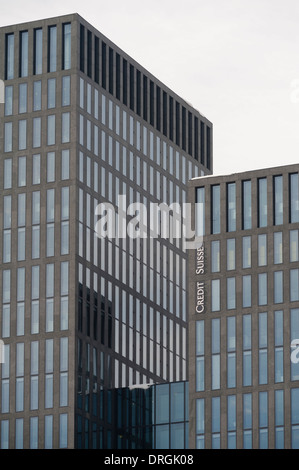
128	296
246	367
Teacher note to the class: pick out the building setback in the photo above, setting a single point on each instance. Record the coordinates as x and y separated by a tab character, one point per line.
243	384
80	316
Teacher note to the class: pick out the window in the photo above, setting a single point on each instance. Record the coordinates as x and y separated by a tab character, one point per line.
51	130
278	200
8	137
262	250
246	244
22	98
247	379
231	254
51	93
294	285
215	297
278	343
24	54
22	171
231	421
231	207
52	48
66	58
65	164
247	421
66	91
295	417
36	169
200	375
7	183
263	353
200	423
8	101
38	51
215	209
279	419
278	287
231	293
231	352
294	197
37	96
262	202
246	201
262	289
294	253
215	256
9	56
200	212
277	247
36	138
246	291
215	353
263	420
66	127
23	134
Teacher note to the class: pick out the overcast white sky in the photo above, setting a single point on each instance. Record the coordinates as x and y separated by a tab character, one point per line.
236	61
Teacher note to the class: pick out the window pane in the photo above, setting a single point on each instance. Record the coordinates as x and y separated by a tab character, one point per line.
215	253
246	291
246	252
278	287
215	209
65	158
262	250
66	127
262	195
51	93
24	54
262	289
246	190
52	45
294	198
37	96
278	200
10	56
23	98
294	245
215	287
66	91
231	254
51	130
231	293
22	134
8	137
66	46
36	132
231	207
38	57
277	247
8	100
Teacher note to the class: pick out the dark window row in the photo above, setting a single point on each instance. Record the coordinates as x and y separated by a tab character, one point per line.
122	80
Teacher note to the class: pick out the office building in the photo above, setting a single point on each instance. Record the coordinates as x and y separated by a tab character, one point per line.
83	123
244	310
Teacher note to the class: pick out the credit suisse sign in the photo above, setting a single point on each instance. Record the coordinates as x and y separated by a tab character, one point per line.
200	285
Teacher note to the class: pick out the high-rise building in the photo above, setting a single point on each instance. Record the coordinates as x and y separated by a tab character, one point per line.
82	124
244	310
